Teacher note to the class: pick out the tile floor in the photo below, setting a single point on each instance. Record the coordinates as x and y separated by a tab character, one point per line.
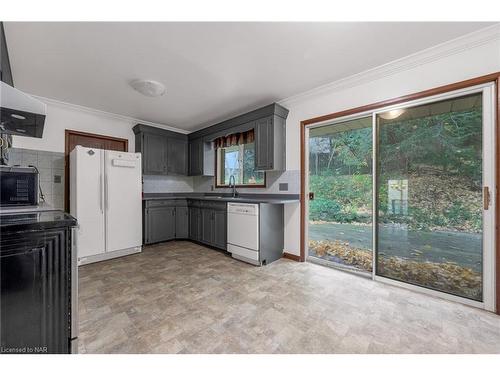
180	297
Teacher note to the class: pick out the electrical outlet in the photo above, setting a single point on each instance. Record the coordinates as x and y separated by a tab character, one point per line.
283	186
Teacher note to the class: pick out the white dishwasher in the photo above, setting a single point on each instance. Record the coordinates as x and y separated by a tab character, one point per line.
243	232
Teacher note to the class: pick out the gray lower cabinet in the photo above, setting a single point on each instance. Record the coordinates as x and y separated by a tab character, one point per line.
165	220
181	222
160	224
194	223
200	221
220	229
208	223
207	226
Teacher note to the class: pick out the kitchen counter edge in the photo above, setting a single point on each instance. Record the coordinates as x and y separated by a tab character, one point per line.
270	199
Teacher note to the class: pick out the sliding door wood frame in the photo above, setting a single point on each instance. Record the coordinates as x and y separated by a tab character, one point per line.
493	77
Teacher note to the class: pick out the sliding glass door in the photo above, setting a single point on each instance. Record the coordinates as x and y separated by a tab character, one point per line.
429	195
340	177
428	221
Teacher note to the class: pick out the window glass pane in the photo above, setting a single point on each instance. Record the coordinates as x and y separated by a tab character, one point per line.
250	176
238	161
429	192
340	176
231	164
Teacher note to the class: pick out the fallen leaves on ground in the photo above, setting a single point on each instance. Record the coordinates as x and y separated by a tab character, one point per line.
446	276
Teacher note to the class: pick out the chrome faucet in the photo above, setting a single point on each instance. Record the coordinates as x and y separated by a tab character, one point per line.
232	183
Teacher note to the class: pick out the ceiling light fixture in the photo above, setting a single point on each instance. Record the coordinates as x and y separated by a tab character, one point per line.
391	115
148	87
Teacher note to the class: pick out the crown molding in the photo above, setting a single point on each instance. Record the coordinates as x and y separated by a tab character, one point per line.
110	115
449	48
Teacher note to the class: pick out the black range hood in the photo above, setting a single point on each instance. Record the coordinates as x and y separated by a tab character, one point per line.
20	114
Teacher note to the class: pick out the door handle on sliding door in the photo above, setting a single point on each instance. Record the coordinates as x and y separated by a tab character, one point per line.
486	197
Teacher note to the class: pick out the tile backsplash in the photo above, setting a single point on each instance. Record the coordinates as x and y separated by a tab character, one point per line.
167	184
273	181
200	184
51	168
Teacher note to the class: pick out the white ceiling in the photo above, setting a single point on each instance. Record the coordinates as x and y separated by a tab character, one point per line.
212	71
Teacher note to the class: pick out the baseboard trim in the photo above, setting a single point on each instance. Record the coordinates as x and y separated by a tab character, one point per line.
110	255
291	256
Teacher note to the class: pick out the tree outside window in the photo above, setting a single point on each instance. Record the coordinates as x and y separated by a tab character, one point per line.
238	161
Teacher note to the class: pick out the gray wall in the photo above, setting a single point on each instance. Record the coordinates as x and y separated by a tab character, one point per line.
51	168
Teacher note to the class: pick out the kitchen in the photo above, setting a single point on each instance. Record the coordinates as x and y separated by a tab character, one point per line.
170	210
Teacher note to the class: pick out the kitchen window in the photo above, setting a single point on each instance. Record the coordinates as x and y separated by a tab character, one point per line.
236	157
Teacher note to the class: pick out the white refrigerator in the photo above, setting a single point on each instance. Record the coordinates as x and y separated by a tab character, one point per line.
106	199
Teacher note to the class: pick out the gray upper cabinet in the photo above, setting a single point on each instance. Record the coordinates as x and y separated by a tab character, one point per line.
201	157
270	143
163	152
154	155
264	145
196	157
177	156
269	123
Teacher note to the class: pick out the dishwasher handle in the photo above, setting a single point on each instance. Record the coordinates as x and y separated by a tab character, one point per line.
243	208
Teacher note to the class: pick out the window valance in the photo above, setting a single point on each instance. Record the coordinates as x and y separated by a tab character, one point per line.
235	139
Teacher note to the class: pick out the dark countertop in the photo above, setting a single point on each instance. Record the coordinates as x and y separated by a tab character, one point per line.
35	220
241	198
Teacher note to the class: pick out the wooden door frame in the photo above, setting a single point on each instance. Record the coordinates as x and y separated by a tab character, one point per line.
67	134
489	78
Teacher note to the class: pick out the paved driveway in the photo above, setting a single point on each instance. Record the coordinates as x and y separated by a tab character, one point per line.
464	249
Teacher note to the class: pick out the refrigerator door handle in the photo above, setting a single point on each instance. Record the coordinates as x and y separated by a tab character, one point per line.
101	193
106	192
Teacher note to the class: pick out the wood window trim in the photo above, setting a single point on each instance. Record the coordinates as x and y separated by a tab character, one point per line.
67	134
493	77
217	186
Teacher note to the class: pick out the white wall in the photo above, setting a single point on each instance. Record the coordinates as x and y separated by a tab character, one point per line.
61	116
470	57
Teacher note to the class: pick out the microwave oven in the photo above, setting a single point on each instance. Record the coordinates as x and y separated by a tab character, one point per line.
18	186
